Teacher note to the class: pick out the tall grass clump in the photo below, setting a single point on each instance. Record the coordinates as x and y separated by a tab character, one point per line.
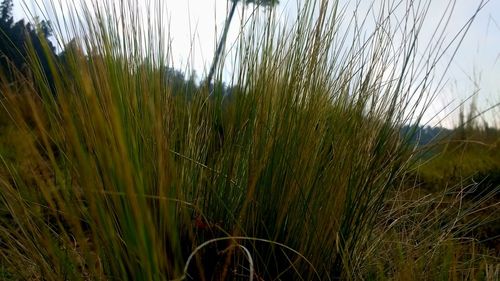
126	176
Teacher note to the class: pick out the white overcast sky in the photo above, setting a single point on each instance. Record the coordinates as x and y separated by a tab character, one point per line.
476	65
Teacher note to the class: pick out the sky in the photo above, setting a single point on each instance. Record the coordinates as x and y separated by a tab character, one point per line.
475	68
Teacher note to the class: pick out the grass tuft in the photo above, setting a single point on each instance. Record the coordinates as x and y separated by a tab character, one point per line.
297	171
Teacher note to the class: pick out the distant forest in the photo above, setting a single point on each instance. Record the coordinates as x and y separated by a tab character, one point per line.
14	61
20	41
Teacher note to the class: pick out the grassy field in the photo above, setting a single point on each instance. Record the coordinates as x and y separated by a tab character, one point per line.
297	171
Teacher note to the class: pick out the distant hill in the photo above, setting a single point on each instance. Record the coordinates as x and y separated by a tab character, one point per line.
423	135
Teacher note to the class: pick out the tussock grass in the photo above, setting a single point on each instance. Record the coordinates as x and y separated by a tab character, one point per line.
286	178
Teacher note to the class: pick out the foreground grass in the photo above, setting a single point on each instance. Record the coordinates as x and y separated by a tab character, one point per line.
299	174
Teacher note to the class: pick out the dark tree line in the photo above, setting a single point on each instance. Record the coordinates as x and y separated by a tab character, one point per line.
424	135
18	39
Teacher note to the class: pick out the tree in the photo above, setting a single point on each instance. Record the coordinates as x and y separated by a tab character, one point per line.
222	41
6	13
16	39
